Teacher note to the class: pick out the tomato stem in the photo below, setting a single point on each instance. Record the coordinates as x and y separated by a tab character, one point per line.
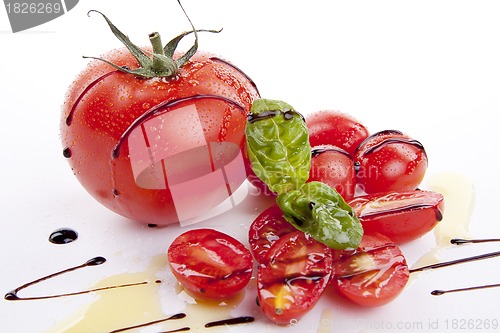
161	62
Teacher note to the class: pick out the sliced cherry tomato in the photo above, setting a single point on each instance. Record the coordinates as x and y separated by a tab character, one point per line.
297	272
210	264
335	128
400	216
390	161
266	229
374	274
335	167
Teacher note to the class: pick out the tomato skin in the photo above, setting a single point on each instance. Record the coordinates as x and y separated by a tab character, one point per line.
295	275
210	264
335	167
400	216
266	229
329	127
103	103
390	161
374	274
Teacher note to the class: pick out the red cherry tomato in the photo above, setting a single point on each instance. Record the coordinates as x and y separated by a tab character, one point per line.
335	128
141	146
295	275
390	161
266	229
210	264
335	167
374	274
400	216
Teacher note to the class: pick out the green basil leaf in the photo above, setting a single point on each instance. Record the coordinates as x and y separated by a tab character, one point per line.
319	210
278	145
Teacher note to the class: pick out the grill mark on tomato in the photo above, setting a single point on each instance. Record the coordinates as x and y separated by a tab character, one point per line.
159	108
394	141
320	150
69	118
252	82
439	213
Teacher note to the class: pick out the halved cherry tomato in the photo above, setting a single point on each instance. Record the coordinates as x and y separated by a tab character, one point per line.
400	216
336	128
335	167
390	161
374	274
266	229
297	272
210	264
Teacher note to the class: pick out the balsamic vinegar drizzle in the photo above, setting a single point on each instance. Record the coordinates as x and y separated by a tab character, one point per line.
438	292
460	241
173	317
63	236
456	262
230	321
13	295
287	114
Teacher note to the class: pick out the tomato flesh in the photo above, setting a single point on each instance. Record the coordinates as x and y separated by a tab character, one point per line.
335	167
400	216
374	274
210	264
122	134
266	229
293	278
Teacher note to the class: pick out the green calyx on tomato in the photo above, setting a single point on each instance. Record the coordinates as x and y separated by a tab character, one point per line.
280	155
161	62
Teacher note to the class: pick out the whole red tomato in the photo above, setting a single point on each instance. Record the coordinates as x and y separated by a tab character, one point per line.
157	150
390	161
329	127
335	167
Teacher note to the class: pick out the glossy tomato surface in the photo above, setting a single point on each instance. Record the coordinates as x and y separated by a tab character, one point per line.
390	161
400	216
335	167
295	275
140	146
266	229
374	274
210	264
329	127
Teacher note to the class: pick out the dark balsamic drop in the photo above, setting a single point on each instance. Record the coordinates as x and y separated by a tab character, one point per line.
67	152
230	321
116	192
63	236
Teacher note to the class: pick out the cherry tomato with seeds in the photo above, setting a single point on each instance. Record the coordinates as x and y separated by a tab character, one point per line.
210	264
400	216
390	161
328	127
266	229
335	167
372	275
295	275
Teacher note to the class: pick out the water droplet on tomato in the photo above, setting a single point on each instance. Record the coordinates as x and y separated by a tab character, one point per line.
146	106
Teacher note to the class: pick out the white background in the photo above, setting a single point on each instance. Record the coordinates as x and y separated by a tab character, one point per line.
428	68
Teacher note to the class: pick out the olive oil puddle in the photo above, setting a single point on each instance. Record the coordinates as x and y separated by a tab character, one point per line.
123	306
453	230
459	197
